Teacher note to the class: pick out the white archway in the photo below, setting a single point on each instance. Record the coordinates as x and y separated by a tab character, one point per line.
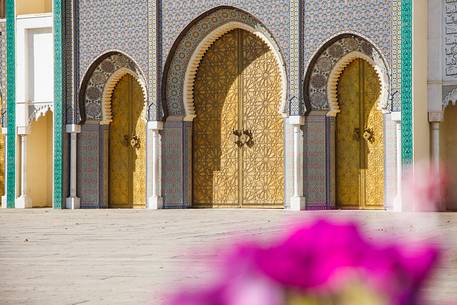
203	47
332	85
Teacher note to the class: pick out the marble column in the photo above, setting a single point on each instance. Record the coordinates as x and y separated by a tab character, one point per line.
73	201
396	117
5	154
155	200
24	200
298	202
435	119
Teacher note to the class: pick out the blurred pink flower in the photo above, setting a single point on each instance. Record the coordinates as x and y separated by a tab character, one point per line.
426	188
318	259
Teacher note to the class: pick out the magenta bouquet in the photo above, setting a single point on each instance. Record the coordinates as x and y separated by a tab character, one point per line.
323	263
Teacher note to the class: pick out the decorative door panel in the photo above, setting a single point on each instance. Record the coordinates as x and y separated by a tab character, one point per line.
238	131
127	158
262	163
215	157
138	149
347	138
374	155
359	139
119	157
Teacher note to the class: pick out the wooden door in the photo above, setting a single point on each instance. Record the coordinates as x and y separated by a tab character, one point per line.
127	157
238	132
359	139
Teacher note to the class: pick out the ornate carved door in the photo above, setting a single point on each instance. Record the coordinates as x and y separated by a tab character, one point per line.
238	132
359	139
127	157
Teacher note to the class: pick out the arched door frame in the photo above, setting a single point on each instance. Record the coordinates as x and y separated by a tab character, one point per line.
95	92
180	71
321	94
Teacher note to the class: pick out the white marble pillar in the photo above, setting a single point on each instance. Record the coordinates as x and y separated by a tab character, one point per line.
155	200
435	119
5	175
24	200
73	202
298	202
396	117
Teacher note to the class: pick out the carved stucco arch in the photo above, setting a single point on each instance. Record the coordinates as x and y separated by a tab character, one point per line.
323	75
192	47
450	99
101	79
38	111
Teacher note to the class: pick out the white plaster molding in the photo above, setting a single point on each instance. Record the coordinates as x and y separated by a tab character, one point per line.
39	111
155	125
396	116
332	85
435	117
296	120
450	99
203	47
73	128
109	89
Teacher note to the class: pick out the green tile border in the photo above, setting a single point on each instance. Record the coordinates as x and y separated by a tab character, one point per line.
58	99
406	82
11	104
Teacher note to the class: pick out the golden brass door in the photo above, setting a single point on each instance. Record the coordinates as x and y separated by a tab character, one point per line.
238	132
127	141
359	139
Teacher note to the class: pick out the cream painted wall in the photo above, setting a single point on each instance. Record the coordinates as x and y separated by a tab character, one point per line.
421	129
39	162
33	6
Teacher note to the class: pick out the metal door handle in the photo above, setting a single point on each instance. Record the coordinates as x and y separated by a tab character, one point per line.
368	135
238	134
135	142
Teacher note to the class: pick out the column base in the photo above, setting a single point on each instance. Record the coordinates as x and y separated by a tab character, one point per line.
297	204
73	203
398	205
23	202
155	203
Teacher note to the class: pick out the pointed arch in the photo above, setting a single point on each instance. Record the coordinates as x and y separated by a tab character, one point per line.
321	79
189	49
99	83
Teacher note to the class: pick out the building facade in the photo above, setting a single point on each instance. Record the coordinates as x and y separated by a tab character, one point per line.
258	104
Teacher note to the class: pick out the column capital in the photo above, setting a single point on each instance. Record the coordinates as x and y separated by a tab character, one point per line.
435	116
297	120
73	128
23	130
155	125
396	116
4	131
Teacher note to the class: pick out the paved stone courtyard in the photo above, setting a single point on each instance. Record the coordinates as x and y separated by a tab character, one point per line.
133	256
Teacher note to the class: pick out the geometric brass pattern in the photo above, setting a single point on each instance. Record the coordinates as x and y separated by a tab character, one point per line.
238	88
359	139
127	139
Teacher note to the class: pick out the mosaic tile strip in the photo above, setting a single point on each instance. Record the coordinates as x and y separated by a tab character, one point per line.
450	39
274	14
155	61
295	62
71	71
3	73
396	56
187	46
11	104
58	109
406	82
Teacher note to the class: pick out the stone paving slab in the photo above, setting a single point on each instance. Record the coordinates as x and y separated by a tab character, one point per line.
133	256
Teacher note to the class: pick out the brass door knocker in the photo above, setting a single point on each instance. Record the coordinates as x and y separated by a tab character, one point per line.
249	139
126	141
238	134
135	142
368	135
244	137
